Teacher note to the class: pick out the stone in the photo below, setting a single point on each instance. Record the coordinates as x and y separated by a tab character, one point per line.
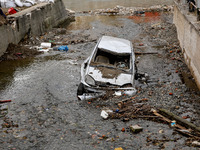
136	128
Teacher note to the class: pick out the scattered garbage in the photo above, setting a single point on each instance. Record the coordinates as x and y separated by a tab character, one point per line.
173	123
118	93
5	101
61	48
12	11
45	45
123	129
136	128
105	113
141	44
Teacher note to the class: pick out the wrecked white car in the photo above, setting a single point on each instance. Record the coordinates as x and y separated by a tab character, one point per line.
110	67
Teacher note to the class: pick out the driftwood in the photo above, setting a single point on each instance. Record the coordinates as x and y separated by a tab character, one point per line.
167	120
179	120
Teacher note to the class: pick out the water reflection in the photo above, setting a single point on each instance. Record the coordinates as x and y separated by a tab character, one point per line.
9	68
84	22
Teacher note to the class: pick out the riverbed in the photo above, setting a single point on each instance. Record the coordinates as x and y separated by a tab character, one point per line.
46	114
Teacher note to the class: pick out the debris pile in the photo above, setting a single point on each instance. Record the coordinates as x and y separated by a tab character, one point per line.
131	109
121	10
16	52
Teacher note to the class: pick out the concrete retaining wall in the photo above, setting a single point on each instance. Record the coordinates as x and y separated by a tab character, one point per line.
34	20
189	38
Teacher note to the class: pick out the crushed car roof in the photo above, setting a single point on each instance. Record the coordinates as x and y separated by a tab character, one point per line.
115	45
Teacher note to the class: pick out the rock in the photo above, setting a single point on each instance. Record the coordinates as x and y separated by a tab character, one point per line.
136	128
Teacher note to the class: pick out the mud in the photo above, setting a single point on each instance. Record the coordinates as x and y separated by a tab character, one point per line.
45	113
110	73
14	52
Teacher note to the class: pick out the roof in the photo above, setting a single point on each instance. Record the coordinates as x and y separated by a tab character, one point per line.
115	45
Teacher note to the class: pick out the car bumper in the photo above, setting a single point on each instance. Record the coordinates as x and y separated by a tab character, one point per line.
95	92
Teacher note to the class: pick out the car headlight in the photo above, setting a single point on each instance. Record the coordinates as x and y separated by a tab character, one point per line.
89	80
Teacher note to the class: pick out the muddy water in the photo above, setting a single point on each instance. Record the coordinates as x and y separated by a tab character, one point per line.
81	5
85	22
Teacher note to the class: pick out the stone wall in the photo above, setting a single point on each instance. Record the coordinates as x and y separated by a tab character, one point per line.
34	20
189	38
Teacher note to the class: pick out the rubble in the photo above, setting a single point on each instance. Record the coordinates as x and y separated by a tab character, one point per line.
136	128
121	10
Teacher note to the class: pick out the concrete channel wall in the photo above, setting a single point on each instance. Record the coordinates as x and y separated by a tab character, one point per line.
34	20
189	38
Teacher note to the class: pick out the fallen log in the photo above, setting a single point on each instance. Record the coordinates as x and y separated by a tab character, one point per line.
179	120
167	120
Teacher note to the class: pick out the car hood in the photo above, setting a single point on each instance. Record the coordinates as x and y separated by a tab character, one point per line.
112	76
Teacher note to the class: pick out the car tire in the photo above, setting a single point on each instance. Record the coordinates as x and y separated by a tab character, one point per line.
80	90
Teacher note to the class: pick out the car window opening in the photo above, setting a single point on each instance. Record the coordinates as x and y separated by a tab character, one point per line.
114	60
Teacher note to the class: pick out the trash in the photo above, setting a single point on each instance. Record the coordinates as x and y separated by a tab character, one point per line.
141	44
45	45
118	93
136	128
125	119
170	93
161	131
45	50
5	101
12	11
63	48
123	130
117	110
104	113
196	143
185	117
119	148
173	123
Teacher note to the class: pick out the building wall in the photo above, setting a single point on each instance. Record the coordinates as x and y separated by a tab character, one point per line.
34	20
189	38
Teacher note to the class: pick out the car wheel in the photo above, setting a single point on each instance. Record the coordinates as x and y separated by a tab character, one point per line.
80	90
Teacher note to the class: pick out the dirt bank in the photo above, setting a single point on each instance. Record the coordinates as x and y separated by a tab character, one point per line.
14	52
